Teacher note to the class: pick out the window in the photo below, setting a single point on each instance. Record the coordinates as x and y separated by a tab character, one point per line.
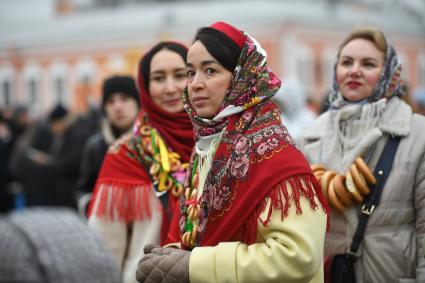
32	94
6	93
59	91
58	83
32	75
7	76
86	72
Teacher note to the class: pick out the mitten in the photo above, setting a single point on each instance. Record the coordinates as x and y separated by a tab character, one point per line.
163	265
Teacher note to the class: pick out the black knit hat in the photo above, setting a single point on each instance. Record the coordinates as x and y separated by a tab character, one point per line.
58	113
122	84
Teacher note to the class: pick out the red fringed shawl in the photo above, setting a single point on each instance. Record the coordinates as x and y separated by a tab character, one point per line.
124	187
256	159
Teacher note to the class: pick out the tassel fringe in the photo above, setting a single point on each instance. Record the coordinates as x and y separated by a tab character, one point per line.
302	186
120	201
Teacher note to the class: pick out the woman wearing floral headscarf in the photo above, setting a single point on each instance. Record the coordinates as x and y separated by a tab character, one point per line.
143	172
252	210
365	111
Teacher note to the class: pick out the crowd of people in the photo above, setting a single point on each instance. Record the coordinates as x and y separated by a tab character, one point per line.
206	167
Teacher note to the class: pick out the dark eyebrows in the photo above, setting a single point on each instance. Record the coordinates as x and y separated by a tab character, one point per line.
203	63
161	72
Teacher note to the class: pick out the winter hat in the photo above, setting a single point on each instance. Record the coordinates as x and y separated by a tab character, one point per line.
58	113
122	84
46	245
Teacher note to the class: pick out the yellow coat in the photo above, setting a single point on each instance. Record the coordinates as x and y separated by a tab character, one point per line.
286	251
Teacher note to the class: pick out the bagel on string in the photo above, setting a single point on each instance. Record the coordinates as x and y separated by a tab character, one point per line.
145	130
364	169
318	170
333	198
325	180
359	180
177	190
351	187
317	167
341	191
318	174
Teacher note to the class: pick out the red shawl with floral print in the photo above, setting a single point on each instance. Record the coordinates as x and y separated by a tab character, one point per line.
256	159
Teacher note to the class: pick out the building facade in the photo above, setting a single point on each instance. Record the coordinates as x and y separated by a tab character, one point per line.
63	56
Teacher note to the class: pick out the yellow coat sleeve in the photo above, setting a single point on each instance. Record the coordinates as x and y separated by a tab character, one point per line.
288	251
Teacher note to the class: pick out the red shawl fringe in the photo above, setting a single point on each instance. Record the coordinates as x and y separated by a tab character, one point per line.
282	200
122	201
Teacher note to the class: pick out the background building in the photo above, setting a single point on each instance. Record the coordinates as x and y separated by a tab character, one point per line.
61	50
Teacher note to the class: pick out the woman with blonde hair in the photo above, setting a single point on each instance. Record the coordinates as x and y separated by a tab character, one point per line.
368	150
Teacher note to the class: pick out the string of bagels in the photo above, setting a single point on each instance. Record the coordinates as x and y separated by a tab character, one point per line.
342	191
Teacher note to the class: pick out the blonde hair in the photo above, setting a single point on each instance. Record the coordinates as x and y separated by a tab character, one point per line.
368	33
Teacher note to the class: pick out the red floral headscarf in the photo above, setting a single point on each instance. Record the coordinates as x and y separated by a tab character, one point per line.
124	184
256	157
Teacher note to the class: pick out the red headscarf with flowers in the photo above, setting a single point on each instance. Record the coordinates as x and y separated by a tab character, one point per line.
126	180
256	157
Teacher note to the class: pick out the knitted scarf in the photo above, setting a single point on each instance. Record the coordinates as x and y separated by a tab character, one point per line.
256	158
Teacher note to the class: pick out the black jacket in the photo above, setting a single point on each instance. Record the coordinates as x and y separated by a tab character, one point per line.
93	155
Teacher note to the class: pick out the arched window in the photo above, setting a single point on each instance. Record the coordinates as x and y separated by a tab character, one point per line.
86	72
116	64
32	86
33	90
6	93
59	87
7	76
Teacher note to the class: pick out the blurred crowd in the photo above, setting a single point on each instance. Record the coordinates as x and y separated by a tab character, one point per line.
41	157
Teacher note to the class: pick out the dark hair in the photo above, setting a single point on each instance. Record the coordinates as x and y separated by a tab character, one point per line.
57	113
145	65
220	46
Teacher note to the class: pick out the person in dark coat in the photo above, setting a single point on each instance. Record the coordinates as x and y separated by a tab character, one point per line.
6	138
34	160
120	105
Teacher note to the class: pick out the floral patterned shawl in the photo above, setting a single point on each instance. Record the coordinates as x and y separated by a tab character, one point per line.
151	157
255	159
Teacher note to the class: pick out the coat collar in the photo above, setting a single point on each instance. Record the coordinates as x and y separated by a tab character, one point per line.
395	121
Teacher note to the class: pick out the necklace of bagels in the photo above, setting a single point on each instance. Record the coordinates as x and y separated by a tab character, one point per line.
342	191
